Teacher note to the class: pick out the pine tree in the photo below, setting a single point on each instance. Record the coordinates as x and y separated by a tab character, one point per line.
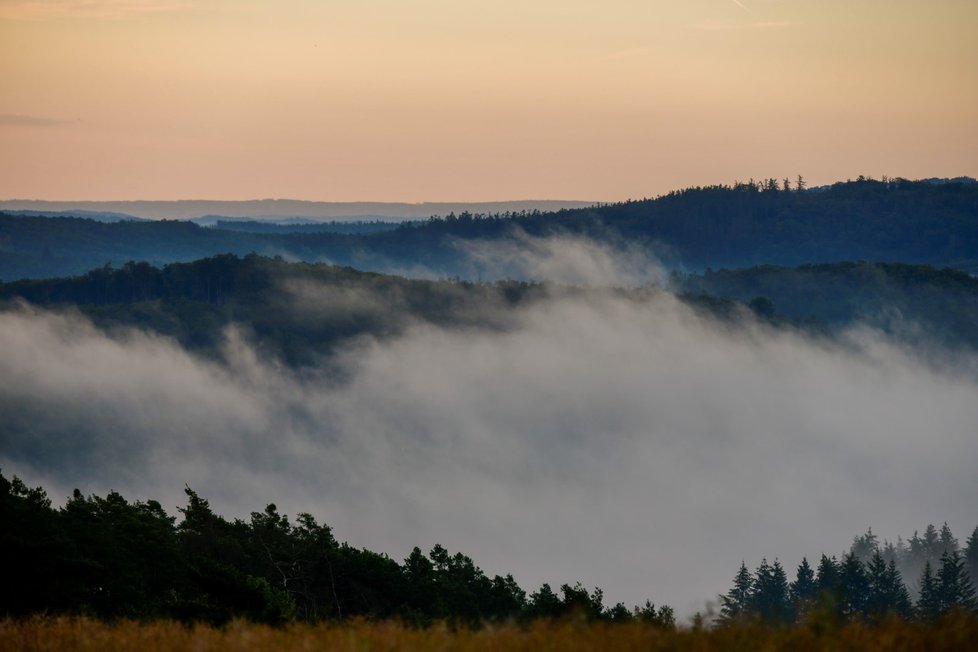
932	544
827	582
736	603
887	593
769	599
854	587
971	556
901	599
929	600
954	587
864	546
881	593
803	590
948	542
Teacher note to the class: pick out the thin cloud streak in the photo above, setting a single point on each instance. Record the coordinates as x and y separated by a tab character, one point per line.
44	9
726	25
17	120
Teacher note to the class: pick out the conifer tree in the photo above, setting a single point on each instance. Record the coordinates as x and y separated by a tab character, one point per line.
854	587
827	582
948	542
769	598
864	546
971	556
902	605
954	587
932	543
803	590
929	600
887	593
736	603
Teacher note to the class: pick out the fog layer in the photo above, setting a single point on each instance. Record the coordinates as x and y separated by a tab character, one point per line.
631	445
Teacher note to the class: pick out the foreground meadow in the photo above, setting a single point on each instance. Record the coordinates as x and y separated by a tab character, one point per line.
42	634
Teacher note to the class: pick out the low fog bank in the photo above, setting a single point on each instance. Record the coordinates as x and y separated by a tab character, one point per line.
637	446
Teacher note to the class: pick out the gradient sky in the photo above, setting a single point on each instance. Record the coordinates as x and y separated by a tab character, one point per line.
442	100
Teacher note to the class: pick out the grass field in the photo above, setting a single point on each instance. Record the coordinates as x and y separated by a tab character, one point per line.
42	634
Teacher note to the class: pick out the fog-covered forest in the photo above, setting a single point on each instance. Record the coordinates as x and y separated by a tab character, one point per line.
643	397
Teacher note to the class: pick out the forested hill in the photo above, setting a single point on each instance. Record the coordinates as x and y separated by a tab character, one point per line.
298	312
722	226
295	311
914	301
769	223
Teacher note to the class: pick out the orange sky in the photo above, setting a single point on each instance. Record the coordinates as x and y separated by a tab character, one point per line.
468	100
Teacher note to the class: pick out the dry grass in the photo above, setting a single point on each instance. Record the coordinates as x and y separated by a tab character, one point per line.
85	635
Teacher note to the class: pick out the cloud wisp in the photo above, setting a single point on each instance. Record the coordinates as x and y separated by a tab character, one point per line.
18	120
567	260
104	9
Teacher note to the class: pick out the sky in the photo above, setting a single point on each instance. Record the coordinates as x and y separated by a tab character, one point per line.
439	100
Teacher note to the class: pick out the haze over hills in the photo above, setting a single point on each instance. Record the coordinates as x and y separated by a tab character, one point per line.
690	230
288	208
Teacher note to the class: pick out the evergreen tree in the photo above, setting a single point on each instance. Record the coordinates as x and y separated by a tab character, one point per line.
544	604
803	590
853	587
769	597
947	541
827	582
971	556
954	587
735	604
929	600
864	546
931	542
887	593
880	591
901	598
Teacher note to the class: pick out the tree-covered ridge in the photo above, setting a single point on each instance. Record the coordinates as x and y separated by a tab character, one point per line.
939	304
868	582
296	312
110	558
719	226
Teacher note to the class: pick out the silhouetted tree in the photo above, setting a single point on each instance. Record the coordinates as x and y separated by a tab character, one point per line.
735	605
803	590
928	605
954	587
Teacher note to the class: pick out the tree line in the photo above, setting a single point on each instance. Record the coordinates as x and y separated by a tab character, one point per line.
865	584
739	225
107	557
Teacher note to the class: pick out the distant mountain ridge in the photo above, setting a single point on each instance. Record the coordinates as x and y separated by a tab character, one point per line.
745	225
98	216
186	209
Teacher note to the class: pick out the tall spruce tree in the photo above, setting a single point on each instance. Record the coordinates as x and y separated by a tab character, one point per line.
803	590
853	587
735	604
827	582
770	599
929	601
902	605
954	587
887	594
864	546
971	556
947	541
